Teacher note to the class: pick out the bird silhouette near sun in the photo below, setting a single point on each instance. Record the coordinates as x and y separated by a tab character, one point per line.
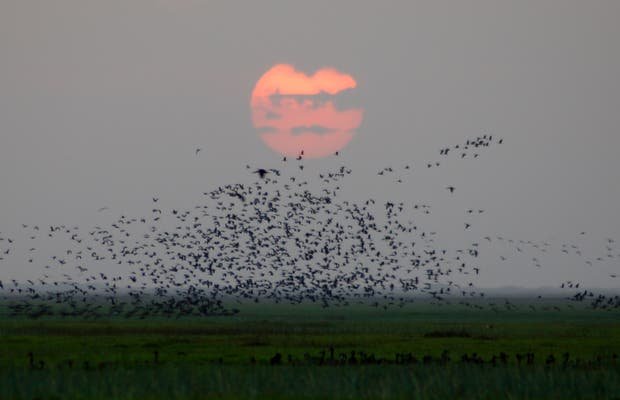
294	112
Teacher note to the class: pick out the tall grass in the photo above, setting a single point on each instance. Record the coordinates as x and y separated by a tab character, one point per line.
312	382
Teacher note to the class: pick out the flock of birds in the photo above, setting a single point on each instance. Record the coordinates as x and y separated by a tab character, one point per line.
330	357
285	237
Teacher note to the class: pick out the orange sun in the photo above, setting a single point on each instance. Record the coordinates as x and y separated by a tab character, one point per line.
294	112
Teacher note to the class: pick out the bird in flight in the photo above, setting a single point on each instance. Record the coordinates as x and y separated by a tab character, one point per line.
261	172
237	194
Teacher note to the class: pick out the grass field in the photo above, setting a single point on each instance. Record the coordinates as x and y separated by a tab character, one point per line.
419	351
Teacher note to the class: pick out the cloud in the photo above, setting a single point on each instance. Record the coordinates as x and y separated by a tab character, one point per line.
318	129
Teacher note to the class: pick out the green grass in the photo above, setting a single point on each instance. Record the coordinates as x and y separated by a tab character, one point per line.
286	382
210	357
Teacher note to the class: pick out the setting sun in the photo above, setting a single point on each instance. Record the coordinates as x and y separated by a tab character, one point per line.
294	112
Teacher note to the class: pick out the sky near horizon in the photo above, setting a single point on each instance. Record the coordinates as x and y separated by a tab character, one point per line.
103	103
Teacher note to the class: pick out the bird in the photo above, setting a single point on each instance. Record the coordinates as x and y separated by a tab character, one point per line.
261	172
238	195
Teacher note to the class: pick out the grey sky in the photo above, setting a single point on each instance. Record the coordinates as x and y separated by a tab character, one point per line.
102	103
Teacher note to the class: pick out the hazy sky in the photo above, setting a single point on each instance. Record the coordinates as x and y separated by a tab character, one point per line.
102	103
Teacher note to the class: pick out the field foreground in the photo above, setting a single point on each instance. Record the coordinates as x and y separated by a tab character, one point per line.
306	352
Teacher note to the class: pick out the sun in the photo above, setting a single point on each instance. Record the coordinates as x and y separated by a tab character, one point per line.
295	113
